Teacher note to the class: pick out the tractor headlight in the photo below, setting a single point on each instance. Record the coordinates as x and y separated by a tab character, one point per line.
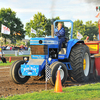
49	59
25	59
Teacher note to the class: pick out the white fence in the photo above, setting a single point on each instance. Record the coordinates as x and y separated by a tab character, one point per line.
16	52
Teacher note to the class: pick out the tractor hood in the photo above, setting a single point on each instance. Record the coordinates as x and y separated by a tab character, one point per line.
40	46
44	41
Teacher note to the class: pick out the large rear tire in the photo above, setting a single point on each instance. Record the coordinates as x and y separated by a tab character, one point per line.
80	63
15	72
63	72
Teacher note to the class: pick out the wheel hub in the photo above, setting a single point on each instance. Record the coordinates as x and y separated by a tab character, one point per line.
61	74
86	64
20	74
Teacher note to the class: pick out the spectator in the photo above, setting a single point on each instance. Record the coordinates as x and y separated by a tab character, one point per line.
8	47
26	48
0	47
1	56
3	47
0	53
21	47
11	48
29	48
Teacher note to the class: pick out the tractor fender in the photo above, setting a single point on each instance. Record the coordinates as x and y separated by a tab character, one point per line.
70	44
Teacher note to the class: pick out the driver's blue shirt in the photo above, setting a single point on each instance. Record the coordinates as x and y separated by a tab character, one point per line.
60	33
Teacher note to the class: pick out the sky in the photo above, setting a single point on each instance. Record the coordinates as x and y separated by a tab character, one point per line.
84	10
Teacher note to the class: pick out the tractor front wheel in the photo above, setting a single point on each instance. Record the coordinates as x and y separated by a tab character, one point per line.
15	72
63	72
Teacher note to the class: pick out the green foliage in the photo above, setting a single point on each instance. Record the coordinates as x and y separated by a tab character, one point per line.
28	43
38	23
42	25
67	31
6	64
18	42
80	27
9	19
48	26
28	30
88	29
91	29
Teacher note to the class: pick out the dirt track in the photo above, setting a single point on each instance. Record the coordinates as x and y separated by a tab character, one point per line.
9	88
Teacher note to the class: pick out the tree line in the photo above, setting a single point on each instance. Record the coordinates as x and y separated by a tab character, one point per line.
9	19
42	25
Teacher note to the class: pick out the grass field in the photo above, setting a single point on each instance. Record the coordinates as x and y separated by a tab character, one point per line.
84	92
6	64
10	55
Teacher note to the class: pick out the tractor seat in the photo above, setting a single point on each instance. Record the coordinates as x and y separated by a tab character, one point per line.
64	47
63	51
64	44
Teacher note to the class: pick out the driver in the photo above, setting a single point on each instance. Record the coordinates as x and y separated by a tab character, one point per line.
60	33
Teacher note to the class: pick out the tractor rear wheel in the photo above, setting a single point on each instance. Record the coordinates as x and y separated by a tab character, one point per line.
80	63
63	72
15	72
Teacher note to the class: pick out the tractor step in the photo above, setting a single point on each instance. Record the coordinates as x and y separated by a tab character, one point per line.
62	56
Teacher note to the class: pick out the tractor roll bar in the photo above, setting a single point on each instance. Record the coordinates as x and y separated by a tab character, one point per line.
65	21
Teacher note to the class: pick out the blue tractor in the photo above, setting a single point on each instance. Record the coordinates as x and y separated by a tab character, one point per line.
74	59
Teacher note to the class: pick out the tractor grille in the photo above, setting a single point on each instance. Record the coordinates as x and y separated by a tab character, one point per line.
39	49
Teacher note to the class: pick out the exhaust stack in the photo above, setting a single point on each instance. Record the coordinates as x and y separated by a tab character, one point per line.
52	31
